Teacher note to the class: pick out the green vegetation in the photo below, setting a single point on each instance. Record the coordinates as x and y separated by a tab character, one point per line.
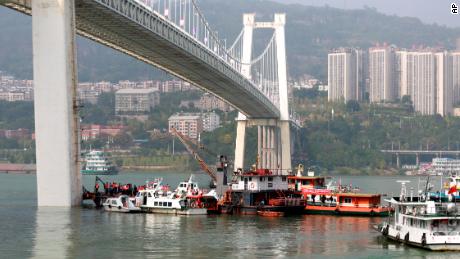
347	140
15	115
354	134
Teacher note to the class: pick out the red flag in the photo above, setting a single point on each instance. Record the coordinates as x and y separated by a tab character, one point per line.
452	189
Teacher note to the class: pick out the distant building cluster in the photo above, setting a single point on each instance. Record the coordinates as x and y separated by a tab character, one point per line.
13	90
209	102
130	100
16	134
90	91
429	77
94	131
193	124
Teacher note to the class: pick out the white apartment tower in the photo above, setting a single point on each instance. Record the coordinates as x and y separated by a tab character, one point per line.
422	81
382	74
343	75
444	96
456	77
401	73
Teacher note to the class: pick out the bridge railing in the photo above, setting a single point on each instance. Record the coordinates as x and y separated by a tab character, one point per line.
186	15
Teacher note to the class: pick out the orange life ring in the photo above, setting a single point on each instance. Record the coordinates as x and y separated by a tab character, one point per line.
252	185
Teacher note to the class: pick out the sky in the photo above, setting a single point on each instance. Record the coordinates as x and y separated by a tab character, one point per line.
429	11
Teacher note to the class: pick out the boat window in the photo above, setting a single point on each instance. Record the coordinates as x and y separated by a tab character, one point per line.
283	178
304	182
155	203
270	184
241	178
250	179
114	202
150	195
160	204
169	204
347	200
262	179
270	179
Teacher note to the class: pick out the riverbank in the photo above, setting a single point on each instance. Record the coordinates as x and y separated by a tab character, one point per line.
154	168
9	168
362	171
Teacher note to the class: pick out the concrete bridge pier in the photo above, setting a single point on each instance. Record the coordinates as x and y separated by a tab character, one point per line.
56	118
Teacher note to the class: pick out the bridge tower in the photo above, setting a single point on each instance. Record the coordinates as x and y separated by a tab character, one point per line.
273	135
56	118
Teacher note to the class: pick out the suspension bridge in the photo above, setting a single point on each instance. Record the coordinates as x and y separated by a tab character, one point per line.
172	35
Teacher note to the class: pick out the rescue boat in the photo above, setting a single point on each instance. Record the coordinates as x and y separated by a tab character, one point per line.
322	198
262	192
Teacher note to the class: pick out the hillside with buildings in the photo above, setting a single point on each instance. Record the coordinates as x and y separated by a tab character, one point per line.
311	33
428	78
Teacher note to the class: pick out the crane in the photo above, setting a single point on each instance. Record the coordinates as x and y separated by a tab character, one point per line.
188	145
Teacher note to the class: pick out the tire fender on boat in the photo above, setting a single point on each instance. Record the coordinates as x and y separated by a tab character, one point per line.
119	207
386	230
406	237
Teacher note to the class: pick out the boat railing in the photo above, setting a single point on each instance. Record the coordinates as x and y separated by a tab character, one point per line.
441	210
324	204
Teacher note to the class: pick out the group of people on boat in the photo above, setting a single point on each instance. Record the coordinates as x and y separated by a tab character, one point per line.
115	189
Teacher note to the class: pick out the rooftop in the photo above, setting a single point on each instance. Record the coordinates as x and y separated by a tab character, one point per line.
135	91
185	116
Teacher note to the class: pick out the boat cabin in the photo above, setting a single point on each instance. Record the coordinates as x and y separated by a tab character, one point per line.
298	183
186	187
260	180
358	200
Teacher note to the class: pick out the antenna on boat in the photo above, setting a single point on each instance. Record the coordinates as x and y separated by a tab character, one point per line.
403	194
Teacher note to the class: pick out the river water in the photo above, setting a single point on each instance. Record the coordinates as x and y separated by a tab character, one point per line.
30	232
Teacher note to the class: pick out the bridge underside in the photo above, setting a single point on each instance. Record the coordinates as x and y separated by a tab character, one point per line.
133	30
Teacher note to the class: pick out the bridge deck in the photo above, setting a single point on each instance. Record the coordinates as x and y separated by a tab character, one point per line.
131	29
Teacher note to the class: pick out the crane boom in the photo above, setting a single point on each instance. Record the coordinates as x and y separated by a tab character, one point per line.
187	143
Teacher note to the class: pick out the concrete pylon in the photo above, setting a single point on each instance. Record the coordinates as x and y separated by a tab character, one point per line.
285	132
56	118
274	145
248	21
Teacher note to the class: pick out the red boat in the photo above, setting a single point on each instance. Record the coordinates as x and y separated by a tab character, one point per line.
261	190
323	199
267	213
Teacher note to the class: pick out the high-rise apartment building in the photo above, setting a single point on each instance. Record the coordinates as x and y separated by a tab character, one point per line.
456	77
382	84
444	96
401	74
344	67
422	81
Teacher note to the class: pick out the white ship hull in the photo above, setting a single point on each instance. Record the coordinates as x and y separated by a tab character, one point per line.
188	211
434	243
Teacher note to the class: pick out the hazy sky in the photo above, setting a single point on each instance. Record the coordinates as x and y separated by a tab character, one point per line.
429	11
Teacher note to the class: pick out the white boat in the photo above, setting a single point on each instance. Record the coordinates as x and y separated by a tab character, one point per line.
97	163
187	199
121	203
422	222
